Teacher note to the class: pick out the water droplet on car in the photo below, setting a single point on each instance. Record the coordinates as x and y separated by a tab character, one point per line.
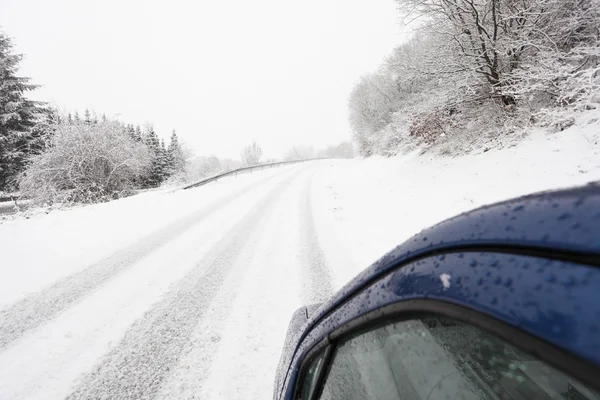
556	329
563	216
568	280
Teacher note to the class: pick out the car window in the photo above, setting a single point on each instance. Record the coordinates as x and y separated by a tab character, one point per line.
310	378
442	359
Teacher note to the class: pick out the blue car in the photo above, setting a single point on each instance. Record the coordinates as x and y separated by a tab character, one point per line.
502	302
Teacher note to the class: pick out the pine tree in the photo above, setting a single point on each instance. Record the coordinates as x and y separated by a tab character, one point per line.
176	161
87	117
130	131
155	175
18	115
76	117
138	133
163	162
69	119
43	131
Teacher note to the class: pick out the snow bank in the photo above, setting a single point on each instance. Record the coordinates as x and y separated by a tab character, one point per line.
365	207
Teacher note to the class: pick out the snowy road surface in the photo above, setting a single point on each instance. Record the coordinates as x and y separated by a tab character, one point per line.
188	294
196	308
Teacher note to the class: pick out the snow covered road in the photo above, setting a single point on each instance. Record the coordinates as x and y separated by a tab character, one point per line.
196	309
188	294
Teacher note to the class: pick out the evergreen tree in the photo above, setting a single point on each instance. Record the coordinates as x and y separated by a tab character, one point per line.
69	119
155	175
138	133
76	117
103	117
176	159
132	133
87	117
43	130
18	115
163	162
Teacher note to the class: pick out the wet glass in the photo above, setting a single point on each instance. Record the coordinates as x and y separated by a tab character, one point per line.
442	359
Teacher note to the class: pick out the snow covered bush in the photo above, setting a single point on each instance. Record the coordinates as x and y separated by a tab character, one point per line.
251	154
299	153
477	70
342	150
86	163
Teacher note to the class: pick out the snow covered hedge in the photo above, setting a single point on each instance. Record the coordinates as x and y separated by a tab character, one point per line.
86	163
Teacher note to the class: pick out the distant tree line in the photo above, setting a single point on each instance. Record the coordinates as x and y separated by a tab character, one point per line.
479	69
51	157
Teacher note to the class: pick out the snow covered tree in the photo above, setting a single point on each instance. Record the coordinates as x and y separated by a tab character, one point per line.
176	158
299	153
163	161
342	150
159	163
87	117
85	163
476	68
42	132
138	133
18	115
251	154
132	133
491	40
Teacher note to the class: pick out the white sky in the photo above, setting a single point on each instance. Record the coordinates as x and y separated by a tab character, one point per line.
222	73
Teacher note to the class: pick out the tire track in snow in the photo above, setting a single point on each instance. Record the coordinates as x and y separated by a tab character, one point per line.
151	348
38	308
316	277
252	339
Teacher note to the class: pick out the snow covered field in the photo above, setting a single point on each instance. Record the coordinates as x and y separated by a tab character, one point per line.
188	294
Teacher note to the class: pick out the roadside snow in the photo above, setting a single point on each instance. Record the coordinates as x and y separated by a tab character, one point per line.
46	247
365	207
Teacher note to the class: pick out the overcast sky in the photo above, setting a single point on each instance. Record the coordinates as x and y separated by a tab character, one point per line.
222	73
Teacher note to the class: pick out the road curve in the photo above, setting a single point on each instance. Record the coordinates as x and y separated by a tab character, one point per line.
197	309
